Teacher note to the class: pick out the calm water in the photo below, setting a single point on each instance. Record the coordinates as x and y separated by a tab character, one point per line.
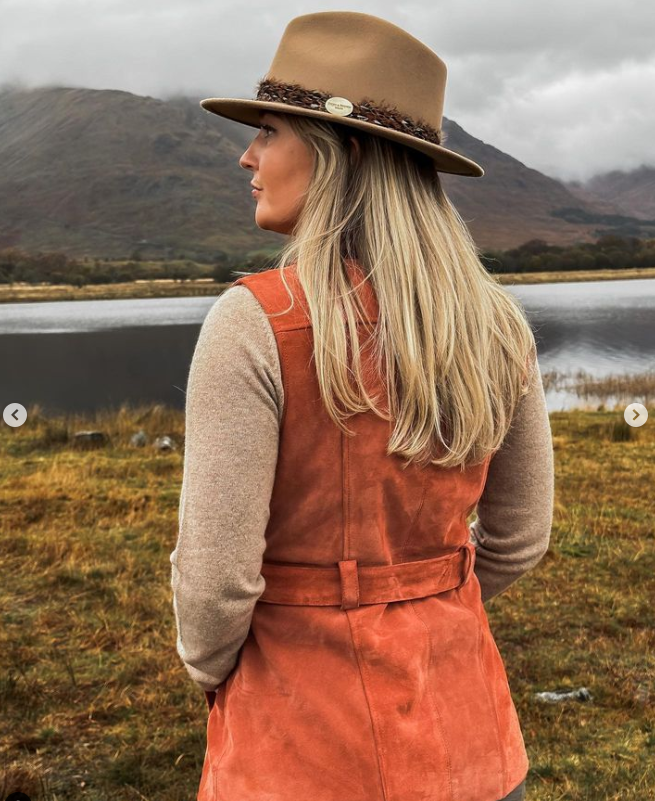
82	355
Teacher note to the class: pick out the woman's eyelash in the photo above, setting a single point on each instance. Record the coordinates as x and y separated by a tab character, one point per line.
267	127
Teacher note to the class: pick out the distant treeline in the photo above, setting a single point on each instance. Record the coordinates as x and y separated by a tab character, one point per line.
57	268
610	252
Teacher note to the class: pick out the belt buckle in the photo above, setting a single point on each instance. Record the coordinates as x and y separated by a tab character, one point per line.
349	583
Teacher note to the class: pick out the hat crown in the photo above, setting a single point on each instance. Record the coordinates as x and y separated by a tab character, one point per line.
360	57
361	71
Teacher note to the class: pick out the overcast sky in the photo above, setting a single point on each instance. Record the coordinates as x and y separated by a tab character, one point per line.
565	87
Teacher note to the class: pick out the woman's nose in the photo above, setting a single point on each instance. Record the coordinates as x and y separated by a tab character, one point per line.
246	161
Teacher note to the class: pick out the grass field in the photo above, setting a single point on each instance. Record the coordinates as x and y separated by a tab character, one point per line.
97	705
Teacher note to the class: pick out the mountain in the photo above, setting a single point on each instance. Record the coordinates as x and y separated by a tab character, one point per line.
513	203
106	172
632	192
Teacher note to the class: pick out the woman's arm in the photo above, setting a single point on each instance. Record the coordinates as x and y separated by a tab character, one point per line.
515	511
233	409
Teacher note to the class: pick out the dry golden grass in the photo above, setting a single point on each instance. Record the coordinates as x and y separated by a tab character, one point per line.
578	275
157	288
97	705
165	288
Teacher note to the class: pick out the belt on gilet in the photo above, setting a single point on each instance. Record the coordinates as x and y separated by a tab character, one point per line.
350	585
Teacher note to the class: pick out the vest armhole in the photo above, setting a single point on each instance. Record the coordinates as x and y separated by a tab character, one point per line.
271	355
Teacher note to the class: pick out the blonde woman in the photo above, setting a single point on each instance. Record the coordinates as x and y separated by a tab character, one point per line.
347	410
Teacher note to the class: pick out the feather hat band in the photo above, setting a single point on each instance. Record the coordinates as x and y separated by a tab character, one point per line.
360	71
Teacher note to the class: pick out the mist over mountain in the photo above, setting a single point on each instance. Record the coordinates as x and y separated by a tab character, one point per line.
632	192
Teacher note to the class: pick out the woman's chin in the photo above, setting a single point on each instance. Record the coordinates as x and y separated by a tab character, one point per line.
264	222
262	219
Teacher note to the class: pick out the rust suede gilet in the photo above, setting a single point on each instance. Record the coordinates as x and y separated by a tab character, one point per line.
338	693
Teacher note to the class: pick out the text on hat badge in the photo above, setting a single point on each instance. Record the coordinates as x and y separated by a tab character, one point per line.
339	105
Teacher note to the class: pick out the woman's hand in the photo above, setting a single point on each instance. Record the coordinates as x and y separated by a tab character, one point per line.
210	697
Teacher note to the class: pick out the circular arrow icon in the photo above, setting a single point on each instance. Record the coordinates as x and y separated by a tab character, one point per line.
635	414
14	415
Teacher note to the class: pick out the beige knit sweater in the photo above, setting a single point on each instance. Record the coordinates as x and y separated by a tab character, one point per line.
234	406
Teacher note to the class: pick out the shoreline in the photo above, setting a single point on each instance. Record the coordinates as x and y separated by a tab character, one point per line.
202	287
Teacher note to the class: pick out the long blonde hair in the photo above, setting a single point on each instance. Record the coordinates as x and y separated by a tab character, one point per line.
454	346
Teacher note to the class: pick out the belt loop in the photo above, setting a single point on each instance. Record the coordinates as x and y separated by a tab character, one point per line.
470	561
349	583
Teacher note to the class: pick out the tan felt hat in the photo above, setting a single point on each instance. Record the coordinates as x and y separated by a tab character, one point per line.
357	70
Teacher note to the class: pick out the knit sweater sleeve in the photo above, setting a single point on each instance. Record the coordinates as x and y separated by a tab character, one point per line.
234	402
515	512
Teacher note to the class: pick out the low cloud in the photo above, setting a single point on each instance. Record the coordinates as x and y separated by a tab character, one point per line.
563	87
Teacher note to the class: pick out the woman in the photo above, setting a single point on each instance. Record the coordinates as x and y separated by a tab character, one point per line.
328	590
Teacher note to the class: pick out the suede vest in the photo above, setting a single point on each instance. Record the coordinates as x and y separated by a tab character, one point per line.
369	672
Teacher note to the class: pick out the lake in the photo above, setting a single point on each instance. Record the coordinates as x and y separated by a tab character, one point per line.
78	356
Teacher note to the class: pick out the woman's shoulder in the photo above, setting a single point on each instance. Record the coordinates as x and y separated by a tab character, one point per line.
238	327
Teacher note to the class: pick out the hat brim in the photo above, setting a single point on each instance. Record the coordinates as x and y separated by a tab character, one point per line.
247	112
